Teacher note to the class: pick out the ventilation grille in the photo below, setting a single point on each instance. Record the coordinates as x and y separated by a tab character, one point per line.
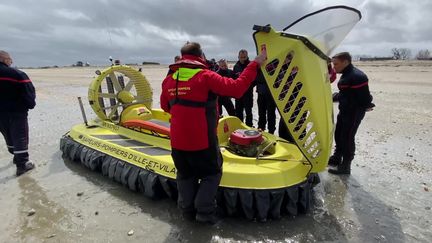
295	109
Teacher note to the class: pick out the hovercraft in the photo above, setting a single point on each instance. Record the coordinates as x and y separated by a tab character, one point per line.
264	176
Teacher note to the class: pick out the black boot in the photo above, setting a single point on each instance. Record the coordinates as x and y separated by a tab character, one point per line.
189	215
21	169
212	218
334	160
342	169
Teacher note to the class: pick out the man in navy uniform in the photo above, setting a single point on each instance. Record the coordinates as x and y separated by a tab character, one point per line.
225	101
244	103
17	96
354	100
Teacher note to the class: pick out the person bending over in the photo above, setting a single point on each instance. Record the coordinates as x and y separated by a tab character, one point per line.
189	94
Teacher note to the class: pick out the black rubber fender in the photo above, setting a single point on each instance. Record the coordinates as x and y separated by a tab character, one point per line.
262	202
142	178
88	157
277	196
168	187
151	186
125	174
118	171
230	199
96	161
246	202
133	178
105	165
112	167
83	154
304	199
291	200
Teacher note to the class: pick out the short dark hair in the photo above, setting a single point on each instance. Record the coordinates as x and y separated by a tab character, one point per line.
343	56
243	51
191	48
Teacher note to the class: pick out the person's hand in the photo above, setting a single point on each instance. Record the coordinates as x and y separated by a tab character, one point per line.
260	59
335	97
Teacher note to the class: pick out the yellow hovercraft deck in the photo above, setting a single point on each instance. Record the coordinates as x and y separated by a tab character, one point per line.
129	141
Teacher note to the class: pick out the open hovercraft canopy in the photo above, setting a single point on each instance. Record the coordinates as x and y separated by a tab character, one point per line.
296	74
328	26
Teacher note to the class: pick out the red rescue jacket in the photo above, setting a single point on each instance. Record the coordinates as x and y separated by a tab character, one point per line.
189	94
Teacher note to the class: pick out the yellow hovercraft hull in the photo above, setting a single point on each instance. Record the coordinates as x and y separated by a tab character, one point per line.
256	187
285	168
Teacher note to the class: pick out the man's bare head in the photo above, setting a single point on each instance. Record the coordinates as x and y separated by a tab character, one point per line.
243	56
5	58
341	61
191	48
223	64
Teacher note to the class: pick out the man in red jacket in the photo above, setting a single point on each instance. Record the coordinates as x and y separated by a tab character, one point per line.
189	94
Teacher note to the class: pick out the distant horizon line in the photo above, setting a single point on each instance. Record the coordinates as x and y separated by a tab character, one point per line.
166	64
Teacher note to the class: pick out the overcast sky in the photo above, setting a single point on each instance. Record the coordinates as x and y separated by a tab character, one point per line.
61	32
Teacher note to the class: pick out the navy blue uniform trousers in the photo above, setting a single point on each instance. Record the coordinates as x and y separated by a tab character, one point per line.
266	112
14	127
198	177
346	128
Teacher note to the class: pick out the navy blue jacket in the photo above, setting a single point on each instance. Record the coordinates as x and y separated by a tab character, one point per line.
237	70
17	93
226	73
261	85
354	90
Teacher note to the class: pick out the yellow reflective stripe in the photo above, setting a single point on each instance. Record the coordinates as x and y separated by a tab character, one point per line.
184	74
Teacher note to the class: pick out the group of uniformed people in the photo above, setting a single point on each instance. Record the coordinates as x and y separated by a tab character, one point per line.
244	105
204	89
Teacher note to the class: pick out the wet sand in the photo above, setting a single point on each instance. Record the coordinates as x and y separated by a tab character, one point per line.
386	199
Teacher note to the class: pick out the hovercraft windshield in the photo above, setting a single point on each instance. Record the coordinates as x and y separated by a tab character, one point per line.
328	26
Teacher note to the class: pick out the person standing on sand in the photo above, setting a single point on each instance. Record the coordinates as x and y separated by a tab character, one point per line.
225	101
266	106
17	96
190	94
244	103
354	100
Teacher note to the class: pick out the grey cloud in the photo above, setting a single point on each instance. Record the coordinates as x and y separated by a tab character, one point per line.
53	32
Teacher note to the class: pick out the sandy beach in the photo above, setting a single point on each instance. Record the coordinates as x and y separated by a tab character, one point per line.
388	197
